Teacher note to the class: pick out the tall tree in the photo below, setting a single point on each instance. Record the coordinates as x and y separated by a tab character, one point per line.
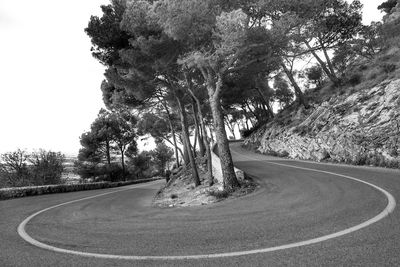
387	6
123	134
107	38
109	133
313	26
150	65
47	167
162	155
216	44
158	126
14	168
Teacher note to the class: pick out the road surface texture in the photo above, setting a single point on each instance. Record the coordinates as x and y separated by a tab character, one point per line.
292	205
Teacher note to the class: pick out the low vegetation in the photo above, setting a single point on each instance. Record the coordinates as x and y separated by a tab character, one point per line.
20	168
16	192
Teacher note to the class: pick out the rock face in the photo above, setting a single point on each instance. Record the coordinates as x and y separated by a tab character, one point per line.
360	128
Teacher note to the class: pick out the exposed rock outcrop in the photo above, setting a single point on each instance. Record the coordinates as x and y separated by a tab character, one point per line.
360	128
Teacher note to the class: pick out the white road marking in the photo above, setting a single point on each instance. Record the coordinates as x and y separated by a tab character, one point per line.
388	209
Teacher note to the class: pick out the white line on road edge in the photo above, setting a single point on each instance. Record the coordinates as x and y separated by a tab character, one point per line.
389	208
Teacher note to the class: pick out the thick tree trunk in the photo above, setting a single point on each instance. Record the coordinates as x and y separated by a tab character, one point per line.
185	133
185	153
299	94
228	172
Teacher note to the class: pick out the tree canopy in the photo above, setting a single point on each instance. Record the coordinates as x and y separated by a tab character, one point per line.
201	66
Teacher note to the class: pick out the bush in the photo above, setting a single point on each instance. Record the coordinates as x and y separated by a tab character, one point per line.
19	168
284	154
246	133
15	192
101	172
354	79
219	194
47	167
388	68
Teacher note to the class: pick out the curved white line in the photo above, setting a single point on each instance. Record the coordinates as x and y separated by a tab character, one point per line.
389	208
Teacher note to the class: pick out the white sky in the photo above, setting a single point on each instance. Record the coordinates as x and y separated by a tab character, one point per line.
50	83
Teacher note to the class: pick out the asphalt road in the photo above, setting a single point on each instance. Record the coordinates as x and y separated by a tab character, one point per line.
292	205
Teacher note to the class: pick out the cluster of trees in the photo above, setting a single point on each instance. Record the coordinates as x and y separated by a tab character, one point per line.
203	65
20	168
111	133
109	150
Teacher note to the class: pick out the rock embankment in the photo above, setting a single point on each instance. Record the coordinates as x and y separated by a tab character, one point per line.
360	128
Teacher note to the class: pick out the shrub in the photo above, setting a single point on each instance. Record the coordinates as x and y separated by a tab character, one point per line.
101	172
47	167
284	154
246	133
15	192
354	79
219	194
19	168
388	68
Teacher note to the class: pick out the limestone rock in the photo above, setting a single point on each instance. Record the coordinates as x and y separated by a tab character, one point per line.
344	130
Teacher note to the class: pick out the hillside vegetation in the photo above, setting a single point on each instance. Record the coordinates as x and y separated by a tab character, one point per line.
191	73
357	123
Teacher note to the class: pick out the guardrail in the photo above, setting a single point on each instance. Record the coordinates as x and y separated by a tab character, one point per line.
16	192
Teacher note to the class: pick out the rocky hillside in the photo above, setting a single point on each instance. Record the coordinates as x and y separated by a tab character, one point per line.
361	127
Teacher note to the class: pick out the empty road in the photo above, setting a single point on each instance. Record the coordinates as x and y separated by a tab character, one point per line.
296	202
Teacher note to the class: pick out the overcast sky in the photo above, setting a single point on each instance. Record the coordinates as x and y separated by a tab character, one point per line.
49	86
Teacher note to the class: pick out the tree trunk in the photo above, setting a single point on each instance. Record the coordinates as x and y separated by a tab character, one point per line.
108	152
196	135
185	153
331	75
268	111
173	134
123	161
228	171
196	122
185	133
328	60
231	127
211	134
205	139
300	96
253	112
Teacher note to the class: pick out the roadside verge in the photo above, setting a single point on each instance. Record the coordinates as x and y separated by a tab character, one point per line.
17	192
